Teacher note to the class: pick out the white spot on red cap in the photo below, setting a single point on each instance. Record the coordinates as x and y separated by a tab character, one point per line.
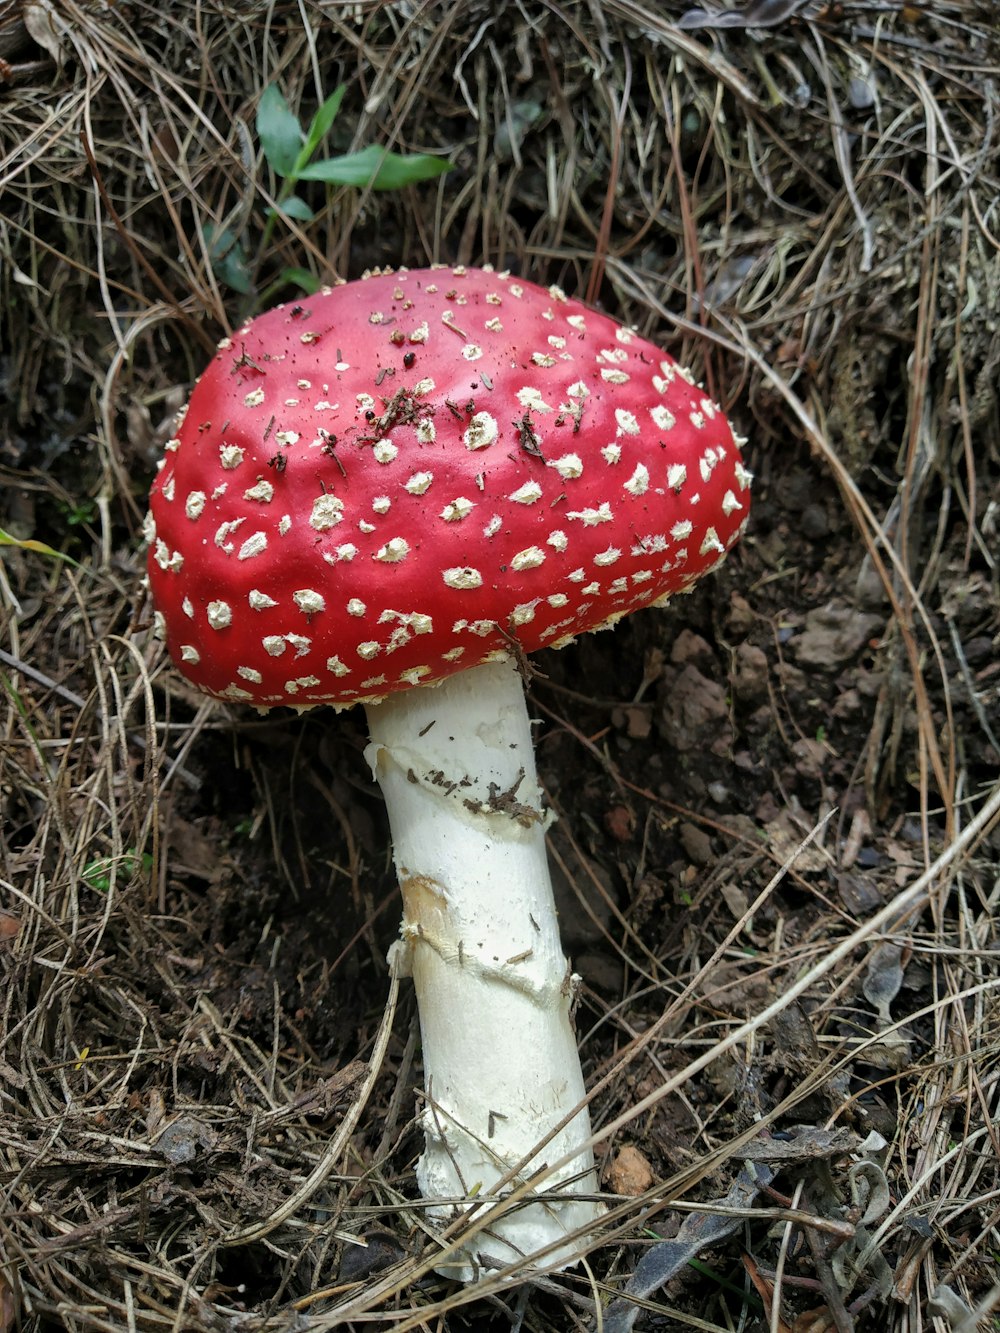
730	503
327	512
652	544
611	453
557	540
249	673
711	542
569	466
530	558
676	476
414	675
260	601
462	577
481	431
190	654
224	532
262	492
194	505
531	399
384	451
381	504
309	601
337	667
638	483
255	544
528	494
254	398
369	649
457	509
415	620
608	557
230	456
662	417
418	483
627	422
356	607
396	549
591	517
220	615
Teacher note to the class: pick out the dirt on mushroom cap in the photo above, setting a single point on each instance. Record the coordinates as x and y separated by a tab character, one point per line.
412	474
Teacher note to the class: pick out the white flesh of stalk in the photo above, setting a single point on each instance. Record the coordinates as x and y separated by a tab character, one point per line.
501	1069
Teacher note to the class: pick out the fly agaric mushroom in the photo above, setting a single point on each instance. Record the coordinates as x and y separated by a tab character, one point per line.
409	482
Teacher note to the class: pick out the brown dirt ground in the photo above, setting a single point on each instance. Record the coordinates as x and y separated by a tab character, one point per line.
196	902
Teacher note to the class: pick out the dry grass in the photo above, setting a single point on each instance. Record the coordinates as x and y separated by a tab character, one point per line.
203	1100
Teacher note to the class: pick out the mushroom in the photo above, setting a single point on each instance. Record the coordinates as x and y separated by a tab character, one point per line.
387	494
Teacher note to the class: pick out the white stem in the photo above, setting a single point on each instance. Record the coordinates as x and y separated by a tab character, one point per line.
456	766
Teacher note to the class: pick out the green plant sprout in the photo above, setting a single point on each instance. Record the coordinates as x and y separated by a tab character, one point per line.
97	874
290	151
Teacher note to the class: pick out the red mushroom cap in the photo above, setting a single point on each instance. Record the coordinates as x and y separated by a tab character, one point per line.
403	476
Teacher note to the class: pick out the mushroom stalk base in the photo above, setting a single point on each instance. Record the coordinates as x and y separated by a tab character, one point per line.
456	766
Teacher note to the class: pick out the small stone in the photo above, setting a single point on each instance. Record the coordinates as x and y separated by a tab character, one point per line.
630	1173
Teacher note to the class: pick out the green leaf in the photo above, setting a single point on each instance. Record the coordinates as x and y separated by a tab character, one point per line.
279	131
301	277
229	258
375	167
294	207
320	124
29	544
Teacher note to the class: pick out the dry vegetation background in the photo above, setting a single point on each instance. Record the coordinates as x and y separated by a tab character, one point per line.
777	849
